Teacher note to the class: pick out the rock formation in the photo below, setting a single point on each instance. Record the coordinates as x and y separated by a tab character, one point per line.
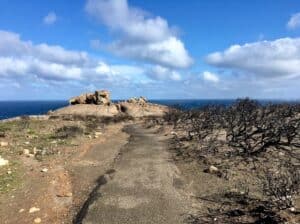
100	97
99	104
141	100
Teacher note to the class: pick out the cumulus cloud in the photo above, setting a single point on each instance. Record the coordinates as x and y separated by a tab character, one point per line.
23	59
141	36
265	59
162	73
294	21
210	77
50	18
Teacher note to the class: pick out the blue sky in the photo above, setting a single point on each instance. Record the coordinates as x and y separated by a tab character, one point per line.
55	49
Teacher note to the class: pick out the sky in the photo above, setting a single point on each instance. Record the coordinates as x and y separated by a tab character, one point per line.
171	49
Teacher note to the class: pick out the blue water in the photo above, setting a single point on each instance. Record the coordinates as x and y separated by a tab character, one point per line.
10	109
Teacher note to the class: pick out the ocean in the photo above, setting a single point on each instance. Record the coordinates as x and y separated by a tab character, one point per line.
9	109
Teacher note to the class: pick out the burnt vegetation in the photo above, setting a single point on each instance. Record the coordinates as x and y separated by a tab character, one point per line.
263	139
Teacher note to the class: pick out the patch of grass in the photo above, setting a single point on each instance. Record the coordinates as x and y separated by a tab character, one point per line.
10	181
5	126
31	131
66	132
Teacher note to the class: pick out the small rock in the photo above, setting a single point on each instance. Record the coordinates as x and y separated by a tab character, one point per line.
213	169
33	209
173	133
26	143
26	151
3	162
54	142
98	133
3	144
21	210
9	172
34	150
67	195
44	170
281	154
292	209
37	220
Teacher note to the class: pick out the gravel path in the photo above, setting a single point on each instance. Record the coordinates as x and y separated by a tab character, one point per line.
144	185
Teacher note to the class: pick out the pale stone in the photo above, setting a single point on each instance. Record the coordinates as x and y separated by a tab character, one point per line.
213	169
21	210
3	162
33	209
37	220
3	144
26	151
45	170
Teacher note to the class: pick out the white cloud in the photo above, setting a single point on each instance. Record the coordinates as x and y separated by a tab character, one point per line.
23	59
141	36
162	73
294	21
265	59
50	18
12	46
210	77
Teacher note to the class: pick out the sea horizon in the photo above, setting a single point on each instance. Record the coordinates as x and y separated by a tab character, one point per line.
15	108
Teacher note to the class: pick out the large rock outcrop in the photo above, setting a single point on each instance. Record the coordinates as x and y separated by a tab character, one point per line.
100	97
99	104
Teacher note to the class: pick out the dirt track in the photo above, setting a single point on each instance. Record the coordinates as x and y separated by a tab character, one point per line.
144	185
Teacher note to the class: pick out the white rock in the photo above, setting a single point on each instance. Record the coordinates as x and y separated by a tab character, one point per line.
33	209
97	134
9	172
213	169
37	220
45	170
3	144
21	210
26	151
3	162
292	209
26	143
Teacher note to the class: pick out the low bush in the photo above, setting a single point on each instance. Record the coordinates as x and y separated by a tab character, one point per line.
68	132
282	185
